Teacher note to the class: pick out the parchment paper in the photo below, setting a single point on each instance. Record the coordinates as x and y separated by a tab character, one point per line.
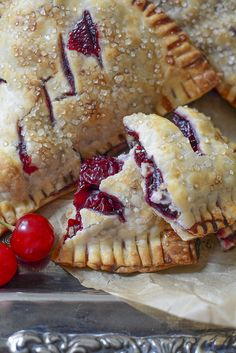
205	292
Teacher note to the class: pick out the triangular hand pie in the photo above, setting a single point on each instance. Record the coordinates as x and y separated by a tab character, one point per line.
188	169
112	228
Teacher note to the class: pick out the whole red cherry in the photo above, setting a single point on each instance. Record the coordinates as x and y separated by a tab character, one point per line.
8	264
32	238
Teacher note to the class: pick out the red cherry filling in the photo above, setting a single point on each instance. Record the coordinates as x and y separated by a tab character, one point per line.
49	104
84	38
187	130
153	181
140	156
26	160
93	171
227	242
98	201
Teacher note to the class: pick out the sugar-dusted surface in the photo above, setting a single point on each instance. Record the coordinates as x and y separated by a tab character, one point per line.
212	28
51	299
200	186
69	72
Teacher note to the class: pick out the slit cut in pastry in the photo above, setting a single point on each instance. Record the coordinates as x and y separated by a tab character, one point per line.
70	71
188	169
112	228
211	26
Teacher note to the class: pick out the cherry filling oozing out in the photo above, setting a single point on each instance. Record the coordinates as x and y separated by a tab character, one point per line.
89	196
153	181
84	38
187	130
228	242
26	160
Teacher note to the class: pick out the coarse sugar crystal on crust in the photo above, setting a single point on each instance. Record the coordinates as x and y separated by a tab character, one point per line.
211	26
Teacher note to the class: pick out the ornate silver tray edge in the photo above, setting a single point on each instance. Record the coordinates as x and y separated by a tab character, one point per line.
49	342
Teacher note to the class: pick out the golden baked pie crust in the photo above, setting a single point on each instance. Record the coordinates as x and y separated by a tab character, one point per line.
147	64
143	243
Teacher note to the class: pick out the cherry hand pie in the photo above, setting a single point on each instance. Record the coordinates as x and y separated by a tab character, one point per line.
70	71
112	228
188	169
211	25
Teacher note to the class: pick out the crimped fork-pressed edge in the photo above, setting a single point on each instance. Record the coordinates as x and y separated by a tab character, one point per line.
228	92
11	213
202	77
127	259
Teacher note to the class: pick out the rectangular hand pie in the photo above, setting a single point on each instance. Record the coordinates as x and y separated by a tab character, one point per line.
112	228
188	169
70	71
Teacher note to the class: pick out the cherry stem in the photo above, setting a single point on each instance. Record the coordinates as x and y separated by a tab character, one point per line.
8	226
